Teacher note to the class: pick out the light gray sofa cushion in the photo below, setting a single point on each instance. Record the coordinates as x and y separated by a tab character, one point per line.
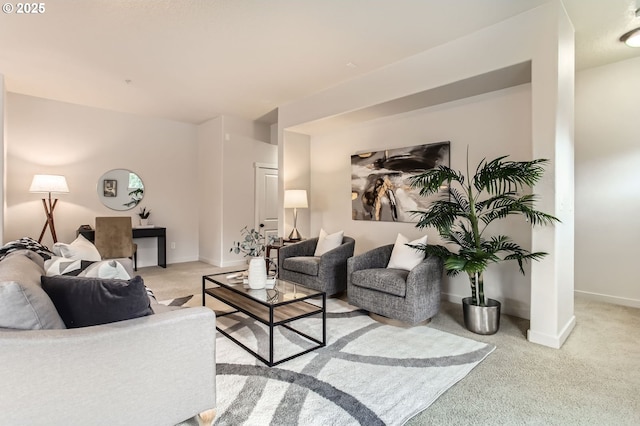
24	305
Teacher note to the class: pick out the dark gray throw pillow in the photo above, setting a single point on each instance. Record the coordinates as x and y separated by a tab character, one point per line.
82	301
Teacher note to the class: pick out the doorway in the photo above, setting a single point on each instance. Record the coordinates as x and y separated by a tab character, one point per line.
266	203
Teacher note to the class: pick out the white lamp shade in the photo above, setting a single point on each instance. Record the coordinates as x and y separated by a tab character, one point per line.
295	198
49	183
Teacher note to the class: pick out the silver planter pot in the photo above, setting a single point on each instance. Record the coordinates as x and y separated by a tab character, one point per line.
481	319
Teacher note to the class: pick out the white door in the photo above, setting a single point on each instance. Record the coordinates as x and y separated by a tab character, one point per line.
267	200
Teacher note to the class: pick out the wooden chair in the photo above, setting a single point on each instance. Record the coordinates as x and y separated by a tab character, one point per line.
114	238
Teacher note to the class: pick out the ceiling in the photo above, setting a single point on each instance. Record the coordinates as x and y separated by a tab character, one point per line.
192	60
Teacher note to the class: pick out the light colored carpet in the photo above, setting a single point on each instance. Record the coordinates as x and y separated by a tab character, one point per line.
593	379
369	373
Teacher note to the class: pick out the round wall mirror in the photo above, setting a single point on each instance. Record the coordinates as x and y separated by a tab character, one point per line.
120	189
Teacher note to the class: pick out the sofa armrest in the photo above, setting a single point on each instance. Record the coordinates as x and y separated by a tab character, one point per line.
425	277
375	258
337	256
154	370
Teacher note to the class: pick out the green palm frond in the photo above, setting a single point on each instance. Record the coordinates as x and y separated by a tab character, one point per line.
433	250
500	243
460	199
495	201
525	256
499	207
461	237
441	215
469	261
431	181
498	176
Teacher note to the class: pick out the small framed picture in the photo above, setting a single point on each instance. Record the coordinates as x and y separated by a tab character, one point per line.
110	188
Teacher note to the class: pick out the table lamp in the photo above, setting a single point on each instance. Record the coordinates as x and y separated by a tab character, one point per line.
49	184
295	199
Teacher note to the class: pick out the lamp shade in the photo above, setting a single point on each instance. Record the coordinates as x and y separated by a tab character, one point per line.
295	198
49	183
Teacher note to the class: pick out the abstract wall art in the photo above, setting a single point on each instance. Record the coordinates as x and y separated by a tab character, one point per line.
380	189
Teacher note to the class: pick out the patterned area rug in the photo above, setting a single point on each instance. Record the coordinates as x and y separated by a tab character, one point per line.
369	373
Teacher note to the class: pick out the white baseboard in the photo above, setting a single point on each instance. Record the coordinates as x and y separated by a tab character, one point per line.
624	301
507	308
552	341
207	260
153	262
240	263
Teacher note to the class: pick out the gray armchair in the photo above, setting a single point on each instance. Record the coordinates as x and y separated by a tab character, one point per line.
407	296
328	273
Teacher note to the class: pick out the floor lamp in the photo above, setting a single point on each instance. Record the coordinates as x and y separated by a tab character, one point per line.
49	184
295	199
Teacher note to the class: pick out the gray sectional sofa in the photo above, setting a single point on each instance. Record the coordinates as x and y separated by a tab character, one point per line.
153	370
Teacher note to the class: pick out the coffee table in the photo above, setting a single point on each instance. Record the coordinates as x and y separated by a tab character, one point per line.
284	303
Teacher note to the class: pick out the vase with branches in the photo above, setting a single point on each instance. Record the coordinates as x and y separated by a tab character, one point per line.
252	244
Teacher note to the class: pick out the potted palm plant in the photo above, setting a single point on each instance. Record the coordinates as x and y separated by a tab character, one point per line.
463	215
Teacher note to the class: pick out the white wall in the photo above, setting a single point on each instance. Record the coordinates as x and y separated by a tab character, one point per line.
3	96
228	149
210	163
544	37
492	124
241	153
607	176
44	136
296	156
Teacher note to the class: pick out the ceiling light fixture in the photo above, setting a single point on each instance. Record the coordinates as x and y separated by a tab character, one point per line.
631	38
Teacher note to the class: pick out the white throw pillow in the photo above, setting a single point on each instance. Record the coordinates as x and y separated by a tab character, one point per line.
58	265
405	257
327	242
79	249
107	269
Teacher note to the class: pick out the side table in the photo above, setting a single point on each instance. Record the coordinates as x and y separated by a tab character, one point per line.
278	246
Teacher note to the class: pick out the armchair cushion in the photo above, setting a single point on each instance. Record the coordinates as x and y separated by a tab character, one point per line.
327	242
83	301
385	280
308	265
405	257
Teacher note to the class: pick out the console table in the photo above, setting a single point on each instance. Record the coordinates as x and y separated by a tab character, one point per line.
155	232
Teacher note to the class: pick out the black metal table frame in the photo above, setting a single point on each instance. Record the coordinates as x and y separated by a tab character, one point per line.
269	362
